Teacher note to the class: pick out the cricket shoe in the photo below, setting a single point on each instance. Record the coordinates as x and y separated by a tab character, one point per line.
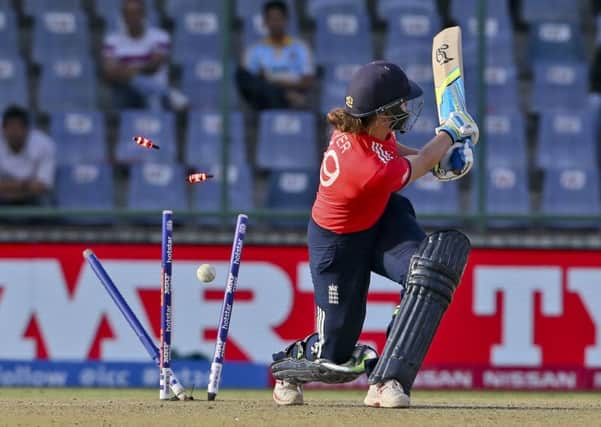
389	394
286	393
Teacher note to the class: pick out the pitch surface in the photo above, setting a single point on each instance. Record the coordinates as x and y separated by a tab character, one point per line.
322	408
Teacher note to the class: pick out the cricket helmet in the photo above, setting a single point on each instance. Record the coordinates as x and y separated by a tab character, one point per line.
381	87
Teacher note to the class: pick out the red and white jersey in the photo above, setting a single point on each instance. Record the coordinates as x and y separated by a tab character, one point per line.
357	176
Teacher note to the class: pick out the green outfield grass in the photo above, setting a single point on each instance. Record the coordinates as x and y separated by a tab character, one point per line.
29	406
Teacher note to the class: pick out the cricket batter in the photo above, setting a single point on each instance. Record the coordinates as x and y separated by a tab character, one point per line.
359	224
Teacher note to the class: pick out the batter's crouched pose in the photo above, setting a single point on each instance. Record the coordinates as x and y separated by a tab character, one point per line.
360	224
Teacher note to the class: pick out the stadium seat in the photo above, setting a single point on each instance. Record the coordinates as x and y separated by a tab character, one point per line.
506	140
499	39
550	10
157	126
291	190
430	196
559	86
506	194
206	197
9	33
110	13
67	84
286	139
469	8
404	54
333	84
343	35
13	82
37	7
203	142
566	139
556	42
386	8
501	82
80	137
202	81
408	25
60	35
196	33
174	8
571	192
157	186
315	7
85	186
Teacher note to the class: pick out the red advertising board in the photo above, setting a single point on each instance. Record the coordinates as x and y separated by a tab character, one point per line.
520	318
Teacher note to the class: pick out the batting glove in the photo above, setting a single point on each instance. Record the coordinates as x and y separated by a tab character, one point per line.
460	126
457	162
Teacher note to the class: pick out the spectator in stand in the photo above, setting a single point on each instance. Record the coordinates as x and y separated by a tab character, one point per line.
136	61
277	72
27	161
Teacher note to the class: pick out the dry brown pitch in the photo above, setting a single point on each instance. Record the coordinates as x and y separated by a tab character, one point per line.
105	407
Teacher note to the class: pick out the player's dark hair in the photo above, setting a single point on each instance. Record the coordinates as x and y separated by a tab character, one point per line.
275	5
344	122
13	112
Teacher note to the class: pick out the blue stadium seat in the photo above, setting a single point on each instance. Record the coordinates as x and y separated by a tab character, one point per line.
343	35
499	39
556	42
196	33
202	81
13	82
333	84
157	186
157	126
9	33
174	8
506	194
85	186
495	9
559	86
409	25
286	139
404	54
571	192
291	190
206	197
37	7
67	84
430	196
203	142
110	12
550	10
506	140
501	82
315	7
566	139
254	30
386	8
60	35
80	137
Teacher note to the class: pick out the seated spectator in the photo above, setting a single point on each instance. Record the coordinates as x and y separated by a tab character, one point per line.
27	161
136	61
277	72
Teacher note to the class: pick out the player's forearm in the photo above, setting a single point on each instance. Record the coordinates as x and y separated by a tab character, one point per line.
303	83
429	155
10	186
403	150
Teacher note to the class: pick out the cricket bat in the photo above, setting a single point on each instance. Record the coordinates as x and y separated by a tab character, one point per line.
447	68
